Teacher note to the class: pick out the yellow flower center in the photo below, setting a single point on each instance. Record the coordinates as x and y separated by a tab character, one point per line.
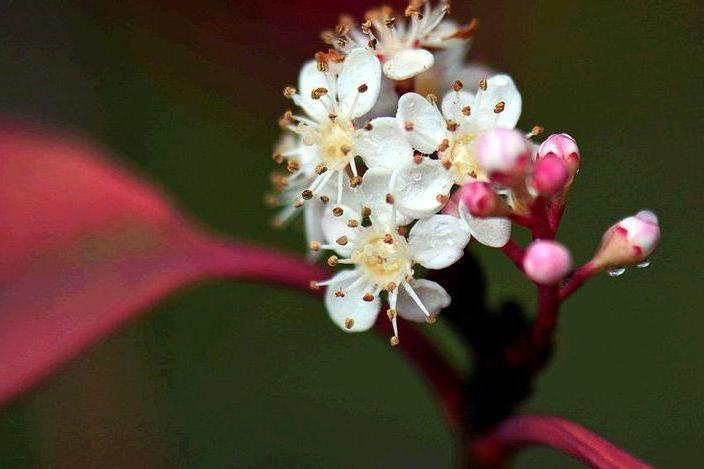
382	257
336	141
463	156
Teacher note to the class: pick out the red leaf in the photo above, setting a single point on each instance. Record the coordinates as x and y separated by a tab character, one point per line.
87	246
553	432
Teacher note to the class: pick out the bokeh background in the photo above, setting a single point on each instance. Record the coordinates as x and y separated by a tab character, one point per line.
225	375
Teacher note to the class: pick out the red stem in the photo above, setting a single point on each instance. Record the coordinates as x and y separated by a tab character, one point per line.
580	276
565	436
515	253
546	320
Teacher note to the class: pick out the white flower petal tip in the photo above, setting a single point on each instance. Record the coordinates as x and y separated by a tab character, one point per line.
420	189
423	124
502	89
629	242
346	303
564	147
491	232
408	63
383	144
547	262
504	154
359	83
438	241
431	296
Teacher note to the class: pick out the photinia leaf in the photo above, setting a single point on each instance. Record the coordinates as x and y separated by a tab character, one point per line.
85	246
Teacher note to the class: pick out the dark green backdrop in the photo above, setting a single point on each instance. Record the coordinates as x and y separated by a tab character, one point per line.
250	376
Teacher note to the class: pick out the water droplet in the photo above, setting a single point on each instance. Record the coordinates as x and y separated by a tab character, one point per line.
643	264
417	176
616	272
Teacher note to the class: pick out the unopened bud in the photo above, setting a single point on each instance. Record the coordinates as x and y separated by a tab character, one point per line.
550	176
481	200
628	242
563	147
504	154
547	262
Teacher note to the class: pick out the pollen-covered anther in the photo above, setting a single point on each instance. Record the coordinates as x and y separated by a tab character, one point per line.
452	126
352	223
293	166
366	26
289	91
402	230
362	88
349	323
372	43
366	212
307	194
391	313
314	245
499	108
482	84
342	240
337	211
324	199
355	181
535	131
467	111
368	126
368	297
431	320
391	286
318	93
441	198
393	341
345	149
286	119
457	85
388	238
332	116
340	294
342	29
278	157
447	164
390	22
417	158
270	200
321	168
408	125
389	199
444	145
333	260
314	285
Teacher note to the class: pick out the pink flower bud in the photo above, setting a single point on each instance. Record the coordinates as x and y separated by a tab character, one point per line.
504	155
547	262
563	147
481	200
550	176
628	242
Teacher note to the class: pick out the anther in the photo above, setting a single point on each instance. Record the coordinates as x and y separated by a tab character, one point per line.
408	125
467	111
355	181
417	158
482	85
270	200
289	91
457	85
307	194
452	126
389	199
402	230
393	341
388	239
431	319
314	246
345	149
391	286
362	88
324	199
368	126
321	168
390	22
332	116
368	297
444	145
366	212
349	323
499	108
342	240
432	99
447	164
340	294
333	260
318	93
352	223
535	131
278	157
366	26
372	43
298	203
391	313
338	211
314	285
441	198
293	166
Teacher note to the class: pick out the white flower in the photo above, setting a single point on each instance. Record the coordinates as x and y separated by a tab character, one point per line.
383	260
404	47
331	103
423	189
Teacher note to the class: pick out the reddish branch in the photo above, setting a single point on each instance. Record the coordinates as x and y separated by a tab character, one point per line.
554	432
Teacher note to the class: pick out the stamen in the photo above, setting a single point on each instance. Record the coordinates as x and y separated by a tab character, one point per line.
482	84
318	93
457	85
342	240
355	181
499	108
298	203
441	198
366	212
289	91
393	341
337	211
388	239
535	131
324	199
467	111
307	194
349	323
352	223
333	260
368	297
314	285
339	293
452	126
321	168
368	126
389	199
362	88
408	125
412	293
278	157
314	245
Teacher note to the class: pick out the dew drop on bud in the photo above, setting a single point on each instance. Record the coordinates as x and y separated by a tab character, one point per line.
643	264
616	272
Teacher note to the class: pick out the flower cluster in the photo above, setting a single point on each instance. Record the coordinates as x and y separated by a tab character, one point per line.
389	176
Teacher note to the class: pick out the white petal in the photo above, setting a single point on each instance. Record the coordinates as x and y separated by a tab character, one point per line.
351	306
438	241
415	187
374	188
385	104
453	102
309	79
431	294
429	127
408	63
492	232
312	216
384	145
335	227
501	88
361	67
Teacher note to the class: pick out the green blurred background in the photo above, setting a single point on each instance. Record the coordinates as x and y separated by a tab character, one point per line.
224	375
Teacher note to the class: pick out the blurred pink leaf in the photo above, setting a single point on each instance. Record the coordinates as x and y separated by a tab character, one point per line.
85	246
